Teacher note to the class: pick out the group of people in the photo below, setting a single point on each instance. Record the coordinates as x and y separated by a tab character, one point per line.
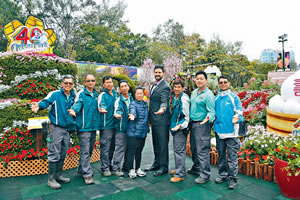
124	122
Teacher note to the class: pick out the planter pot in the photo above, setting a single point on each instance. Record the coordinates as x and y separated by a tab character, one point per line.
288	185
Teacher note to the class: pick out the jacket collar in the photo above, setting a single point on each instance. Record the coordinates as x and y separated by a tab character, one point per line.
86	91
113	91
224	93
63	92
122	98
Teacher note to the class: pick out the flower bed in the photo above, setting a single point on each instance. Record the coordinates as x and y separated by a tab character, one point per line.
259	149
40	166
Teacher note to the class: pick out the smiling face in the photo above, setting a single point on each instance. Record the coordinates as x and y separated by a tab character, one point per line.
201	81
90	82
158	74
178	89
224	84
67	85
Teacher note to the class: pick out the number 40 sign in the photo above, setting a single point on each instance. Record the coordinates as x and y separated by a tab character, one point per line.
29	38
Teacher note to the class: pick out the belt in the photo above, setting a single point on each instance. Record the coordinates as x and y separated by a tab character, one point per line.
196	121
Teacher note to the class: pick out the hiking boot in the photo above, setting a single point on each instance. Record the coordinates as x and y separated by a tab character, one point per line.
88	180
201	180
118	173
176	179
140	172
232	184
221	180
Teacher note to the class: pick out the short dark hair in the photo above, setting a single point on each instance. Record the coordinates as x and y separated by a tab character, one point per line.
223	77
66	77
106	78
123	81
203	73
178	82
139	88
159	67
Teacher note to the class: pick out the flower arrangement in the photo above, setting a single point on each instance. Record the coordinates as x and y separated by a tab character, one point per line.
36	89
254	105
288	150
258	144
263	147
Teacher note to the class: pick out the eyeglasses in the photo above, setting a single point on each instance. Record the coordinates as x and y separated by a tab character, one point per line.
225	82
68	83
90	81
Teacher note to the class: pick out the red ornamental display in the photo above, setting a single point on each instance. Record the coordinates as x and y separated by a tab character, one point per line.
288	185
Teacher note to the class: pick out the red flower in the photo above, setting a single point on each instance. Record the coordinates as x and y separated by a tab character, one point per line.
42	154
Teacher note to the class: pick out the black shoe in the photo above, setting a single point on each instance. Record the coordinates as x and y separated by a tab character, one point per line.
201	180
160	172
192	171
152	168
232	184
221	180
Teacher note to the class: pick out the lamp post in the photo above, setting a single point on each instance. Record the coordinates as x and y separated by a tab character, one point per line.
283	38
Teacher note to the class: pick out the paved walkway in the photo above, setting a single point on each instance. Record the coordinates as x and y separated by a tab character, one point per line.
149	187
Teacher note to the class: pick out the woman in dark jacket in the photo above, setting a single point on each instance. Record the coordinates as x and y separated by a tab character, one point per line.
136	133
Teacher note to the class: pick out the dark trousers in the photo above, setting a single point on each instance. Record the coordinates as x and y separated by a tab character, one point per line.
134	151
179	146
106	151
86	141
160	139
200	146
58	144
228	162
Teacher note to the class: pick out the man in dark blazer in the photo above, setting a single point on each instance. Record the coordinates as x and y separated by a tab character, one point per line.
159	116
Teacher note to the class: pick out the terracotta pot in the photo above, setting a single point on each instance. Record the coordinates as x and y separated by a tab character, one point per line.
288	185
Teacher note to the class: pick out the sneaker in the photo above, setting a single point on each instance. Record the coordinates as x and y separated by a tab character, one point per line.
89	180
221	180
232	184
176	179
132	173
140	172
118	173
106	173
201	180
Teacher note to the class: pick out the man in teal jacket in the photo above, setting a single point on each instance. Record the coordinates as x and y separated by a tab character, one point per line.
229	113
87	116
121	115
106	104
58	139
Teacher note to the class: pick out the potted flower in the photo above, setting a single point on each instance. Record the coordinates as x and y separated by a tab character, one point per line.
287	166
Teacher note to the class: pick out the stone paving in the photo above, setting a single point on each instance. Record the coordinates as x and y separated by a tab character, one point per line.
149	187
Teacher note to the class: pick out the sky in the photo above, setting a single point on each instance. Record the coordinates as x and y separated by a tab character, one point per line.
257	23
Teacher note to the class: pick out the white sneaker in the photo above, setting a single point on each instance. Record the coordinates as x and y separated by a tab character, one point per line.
132	173
141	173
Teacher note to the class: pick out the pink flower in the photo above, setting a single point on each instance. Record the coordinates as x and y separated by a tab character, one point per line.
252	80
